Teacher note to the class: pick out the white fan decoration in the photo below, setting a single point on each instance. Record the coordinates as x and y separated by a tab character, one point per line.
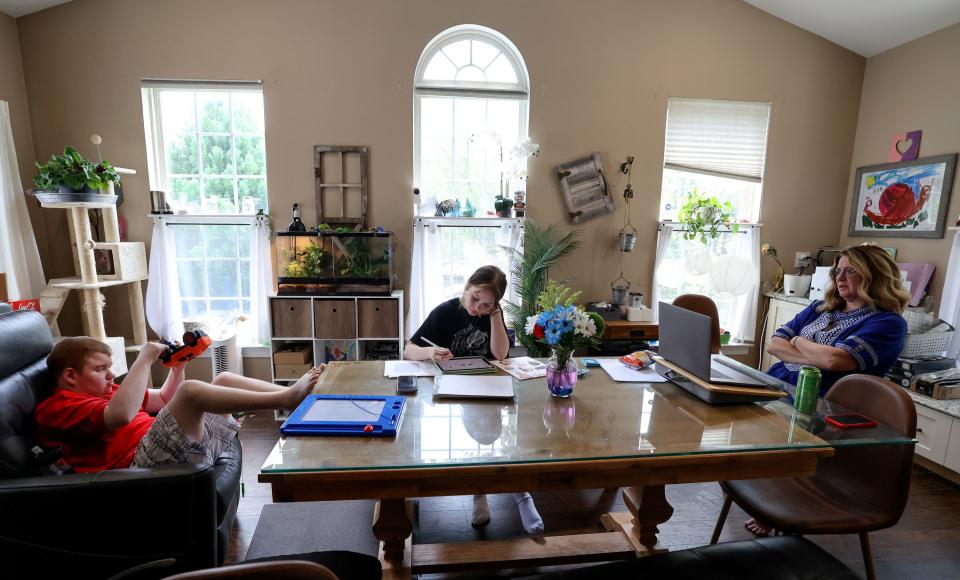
698	263
732	275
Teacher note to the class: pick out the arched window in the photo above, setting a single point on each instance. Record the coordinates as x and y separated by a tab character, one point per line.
471	96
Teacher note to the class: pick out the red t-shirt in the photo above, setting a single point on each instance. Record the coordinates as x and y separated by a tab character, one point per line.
75	420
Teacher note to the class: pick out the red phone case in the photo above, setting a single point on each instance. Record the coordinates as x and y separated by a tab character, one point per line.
832	419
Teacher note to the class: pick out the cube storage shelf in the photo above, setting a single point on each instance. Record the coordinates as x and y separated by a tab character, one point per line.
335	328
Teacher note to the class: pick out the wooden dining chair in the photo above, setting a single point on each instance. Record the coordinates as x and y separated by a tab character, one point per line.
703	305
856	491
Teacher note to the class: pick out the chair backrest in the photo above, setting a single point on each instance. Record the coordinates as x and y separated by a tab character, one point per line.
703	305
279	570
25	341
879	474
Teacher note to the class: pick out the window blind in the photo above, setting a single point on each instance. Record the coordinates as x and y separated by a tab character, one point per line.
725	138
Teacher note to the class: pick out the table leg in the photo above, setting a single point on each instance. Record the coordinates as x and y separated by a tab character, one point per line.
392	525
649	507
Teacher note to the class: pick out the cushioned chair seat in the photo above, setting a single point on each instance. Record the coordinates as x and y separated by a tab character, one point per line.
836	512
776	558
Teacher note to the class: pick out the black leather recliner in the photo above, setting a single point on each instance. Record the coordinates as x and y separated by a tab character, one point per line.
96	524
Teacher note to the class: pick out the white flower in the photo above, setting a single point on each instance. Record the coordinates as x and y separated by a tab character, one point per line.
531	321
583	325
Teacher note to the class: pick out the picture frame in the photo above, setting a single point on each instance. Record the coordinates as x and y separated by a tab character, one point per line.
908	199
584	188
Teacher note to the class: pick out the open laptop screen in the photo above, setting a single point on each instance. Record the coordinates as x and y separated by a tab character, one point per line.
685	339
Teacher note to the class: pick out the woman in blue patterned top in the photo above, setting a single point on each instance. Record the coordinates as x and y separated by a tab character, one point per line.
857	328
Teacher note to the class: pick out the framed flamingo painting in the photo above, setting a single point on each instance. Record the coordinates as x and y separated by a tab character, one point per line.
903	200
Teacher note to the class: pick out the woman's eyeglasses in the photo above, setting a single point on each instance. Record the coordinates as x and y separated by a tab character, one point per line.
844	272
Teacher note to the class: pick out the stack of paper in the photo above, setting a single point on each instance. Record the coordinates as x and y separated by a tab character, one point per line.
408	368
622	373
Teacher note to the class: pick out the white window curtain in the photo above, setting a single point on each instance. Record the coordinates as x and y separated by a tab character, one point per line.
663	241
19	256
724	138
446	251
950	303
426	283
745	307
726	270
164	311
261	279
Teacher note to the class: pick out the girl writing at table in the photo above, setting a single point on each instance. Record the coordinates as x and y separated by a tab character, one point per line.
472	325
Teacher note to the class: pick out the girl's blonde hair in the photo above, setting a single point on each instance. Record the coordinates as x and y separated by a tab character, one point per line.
880	287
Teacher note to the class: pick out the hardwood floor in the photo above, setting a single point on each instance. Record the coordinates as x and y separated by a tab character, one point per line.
921	546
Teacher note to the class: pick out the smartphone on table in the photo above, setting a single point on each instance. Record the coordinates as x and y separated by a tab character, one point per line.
850	420
406	385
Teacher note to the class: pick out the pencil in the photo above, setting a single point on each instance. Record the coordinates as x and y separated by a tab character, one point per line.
431	343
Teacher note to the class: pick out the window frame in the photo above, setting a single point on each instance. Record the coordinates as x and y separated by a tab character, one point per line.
153	133
158	177
519	91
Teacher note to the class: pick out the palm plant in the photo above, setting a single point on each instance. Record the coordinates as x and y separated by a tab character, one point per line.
529	273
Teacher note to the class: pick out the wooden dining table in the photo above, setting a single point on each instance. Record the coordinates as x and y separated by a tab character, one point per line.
638	436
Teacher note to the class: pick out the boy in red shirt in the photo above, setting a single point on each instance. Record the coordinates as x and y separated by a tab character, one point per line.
104	426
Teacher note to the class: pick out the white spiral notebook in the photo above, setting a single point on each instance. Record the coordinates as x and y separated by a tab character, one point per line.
493	387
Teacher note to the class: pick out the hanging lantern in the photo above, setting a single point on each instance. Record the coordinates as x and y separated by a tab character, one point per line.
698	263
732	275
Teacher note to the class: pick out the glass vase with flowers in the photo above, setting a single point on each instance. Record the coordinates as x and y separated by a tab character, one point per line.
563	327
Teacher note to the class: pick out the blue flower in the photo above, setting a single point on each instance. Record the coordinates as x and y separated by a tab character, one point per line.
552	336
566	325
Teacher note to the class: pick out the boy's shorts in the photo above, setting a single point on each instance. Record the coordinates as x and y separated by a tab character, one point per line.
165	443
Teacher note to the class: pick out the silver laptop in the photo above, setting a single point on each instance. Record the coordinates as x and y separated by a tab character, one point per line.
685	342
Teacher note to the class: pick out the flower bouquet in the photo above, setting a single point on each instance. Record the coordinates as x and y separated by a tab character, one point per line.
563	327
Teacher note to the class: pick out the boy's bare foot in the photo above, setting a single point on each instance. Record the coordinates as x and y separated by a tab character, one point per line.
304	385
756	528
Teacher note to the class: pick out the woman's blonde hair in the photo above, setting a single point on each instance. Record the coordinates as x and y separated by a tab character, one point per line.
488	278
880	287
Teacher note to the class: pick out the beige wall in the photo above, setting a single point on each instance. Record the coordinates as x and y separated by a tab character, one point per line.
13	90
914	86
341	73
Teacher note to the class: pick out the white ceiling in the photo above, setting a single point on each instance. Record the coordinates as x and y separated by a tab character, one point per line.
17	8
867	27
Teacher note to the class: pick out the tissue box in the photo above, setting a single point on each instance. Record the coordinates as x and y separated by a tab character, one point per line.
606	311
639	314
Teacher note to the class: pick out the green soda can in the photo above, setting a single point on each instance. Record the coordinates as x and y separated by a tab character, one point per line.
808	389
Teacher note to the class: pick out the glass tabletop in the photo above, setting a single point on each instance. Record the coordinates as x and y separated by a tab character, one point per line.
602	420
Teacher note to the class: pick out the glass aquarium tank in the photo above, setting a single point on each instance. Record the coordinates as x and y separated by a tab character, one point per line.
330	263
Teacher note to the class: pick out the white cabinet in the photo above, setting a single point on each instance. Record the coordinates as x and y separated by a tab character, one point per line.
780	312
952	460
933	434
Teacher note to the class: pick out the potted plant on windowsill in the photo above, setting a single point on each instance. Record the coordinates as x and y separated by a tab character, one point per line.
705	217
72	173
503	205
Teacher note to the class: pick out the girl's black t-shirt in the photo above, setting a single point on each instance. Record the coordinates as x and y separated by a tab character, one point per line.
450	325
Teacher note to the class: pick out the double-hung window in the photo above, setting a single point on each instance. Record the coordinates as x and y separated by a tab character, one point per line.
718	149
471	99
206	151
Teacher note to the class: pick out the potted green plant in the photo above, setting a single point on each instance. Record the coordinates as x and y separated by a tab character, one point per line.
705	217
72	173
529	273
503	205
